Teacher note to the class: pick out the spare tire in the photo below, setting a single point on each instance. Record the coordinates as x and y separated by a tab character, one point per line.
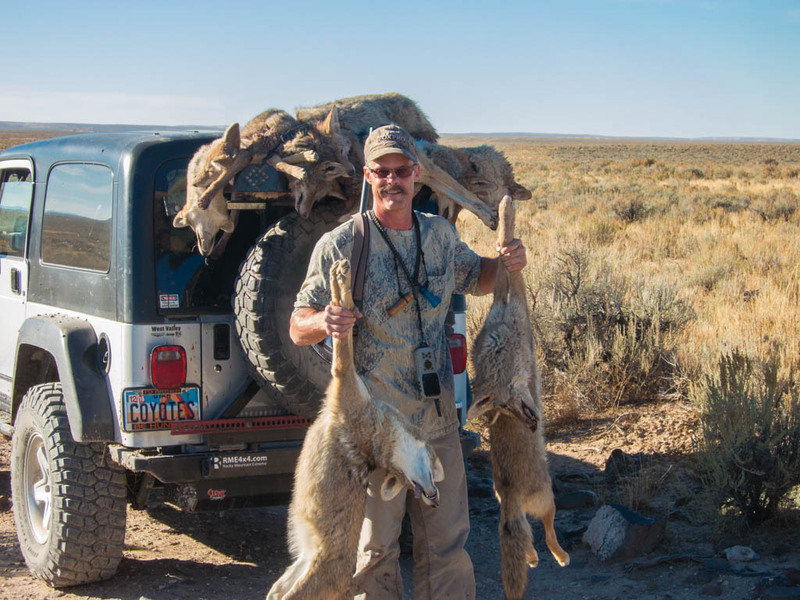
268	282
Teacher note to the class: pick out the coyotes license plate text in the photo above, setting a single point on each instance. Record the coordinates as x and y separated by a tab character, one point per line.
155	409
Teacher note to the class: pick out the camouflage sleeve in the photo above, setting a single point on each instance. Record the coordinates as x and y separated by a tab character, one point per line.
315	291
467	267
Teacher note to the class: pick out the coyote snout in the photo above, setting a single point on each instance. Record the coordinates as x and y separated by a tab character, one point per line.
352	435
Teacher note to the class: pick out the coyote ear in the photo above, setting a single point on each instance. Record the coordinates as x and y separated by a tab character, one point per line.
330	125
228	226
480	406
520	193
438	470
390	487
180	220
232	140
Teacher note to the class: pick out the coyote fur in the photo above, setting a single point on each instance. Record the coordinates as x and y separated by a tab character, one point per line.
352	435
358	114
507	387
482	170
309	154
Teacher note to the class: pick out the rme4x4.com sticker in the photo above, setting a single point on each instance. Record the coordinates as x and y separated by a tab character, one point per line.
238	461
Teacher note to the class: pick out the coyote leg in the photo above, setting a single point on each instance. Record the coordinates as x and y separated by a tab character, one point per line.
550	537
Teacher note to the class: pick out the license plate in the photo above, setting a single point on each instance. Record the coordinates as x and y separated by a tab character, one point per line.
148	409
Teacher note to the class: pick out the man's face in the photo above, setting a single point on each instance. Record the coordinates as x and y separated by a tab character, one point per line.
392	193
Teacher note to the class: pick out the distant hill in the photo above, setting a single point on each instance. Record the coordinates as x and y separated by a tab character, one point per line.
97	127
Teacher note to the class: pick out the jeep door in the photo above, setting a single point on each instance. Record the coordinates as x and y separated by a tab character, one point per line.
16	192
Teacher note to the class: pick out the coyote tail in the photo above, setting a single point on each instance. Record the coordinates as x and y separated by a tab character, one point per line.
517	553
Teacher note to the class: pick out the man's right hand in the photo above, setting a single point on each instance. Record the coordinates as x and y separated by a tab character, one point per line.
309	326
339	321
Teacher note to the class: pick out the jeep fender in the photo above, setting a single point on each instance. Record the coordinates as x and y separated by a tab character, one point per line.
72	343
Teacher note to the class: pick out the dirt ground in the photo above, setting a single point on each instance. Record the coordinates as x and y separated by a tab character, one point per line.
171	555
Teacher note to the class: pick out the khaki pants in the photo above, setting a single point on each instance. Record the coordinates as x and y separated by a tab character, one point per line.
442	568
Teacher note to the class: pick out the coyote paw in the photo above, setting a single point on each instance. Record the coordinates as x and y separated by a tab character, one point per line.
341	294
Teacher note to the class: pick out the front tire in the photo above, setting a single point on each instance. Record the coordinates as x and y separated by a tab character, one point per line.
69	497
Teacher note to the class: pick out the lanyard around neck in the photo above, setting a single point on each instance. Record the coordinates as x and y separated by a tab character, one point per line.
413	282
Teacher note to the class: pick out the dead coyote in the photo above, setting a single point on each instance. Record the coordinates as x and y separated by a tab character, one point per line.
352	435
308	153
507	387
482	170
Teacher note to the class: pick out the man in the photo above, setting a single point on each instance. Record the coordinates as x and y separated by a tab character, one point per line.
416	262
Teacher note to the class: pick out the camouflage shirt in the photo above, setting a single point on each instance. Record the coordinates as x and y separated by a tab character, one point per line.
384	344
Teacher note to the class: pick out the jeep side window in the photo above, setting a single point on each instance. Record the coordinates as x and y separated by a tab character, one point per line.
76	228
16	190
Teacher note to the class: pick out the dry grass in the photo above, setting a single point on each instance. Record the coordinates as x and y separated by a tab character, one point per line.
715	223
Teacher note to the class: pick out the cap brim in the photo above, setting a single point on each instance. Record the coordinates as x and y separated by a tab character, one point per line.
386	151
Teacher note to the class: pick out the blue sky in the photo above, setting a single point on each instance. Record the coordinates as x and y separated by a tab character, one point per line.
673	68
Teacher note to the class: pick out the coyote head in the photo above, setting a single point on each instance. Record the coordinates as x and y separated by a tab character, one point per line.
327	150
490	176
517	401
415	466
482	171
208	163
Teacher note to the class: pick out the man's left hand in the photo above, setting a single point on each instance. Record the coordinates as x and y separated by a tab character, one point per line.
514	256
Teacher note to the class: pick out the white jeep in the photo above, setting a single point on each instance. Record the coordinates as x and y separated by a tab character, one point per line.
131	363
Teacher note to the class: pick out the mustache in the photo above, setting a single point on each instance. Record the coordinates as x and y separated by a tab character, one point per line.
391	188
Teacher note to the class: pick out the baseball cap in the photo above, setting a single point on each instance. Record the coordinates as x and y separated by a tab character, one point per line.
389	139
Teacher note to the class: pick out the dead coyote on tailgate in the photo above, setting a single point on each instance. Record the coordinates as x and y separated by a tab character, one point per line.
358	114
307	153
352	435
507	388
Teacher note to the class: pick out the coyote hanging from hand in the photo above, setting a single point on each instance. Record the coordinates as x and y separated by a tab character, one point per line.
352	435
507	389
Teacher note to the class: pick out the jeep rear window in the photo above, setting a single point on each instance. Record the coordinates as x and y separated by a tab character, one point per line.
76	227
186	282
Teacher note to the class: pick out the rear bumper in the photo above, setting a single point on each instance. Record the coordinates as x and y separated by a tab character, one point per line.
206	466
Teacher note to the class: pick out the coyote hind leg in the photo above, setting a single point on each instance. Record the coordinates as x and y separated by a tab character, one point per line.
341	294
550	537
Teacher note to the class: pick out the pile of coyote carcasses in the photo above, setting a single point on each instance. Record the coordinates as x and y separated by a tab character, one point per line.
320	151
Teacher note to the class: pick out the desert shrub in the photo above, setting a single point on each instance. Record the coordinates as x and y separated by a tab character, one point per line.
750	436
605	339
691	173
630	210
732	204
642	162
708	276
776	208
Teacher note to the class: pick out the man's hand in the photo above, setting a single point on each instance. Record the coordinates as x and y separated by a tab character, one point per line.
339	321
514	256
308	326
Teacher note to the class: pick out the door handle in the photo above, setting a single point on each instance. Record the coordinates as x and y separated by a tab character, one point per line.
15	281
